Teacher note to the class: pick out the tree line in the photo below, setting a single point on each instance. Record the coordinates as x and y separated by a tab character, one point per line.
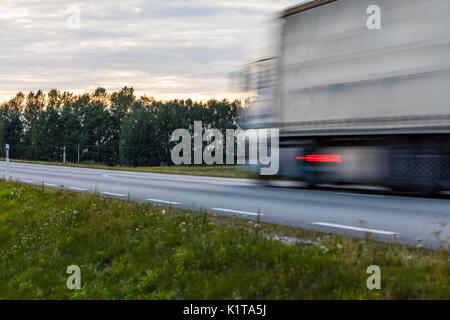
100	127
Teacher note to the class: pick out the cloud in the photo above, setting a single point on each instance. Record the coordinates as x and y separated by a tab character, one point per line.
161	48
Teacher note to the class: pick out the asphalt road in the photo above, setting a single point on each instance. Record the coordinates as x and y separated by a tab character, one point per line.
405	219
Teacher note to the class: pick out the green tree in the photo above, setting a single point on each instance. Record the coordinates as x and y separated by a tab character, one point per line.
139	141
121	103
110	128
12	125
97	135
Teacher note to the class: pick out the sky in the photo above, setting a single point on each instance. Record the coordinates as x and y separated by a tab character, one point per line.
162	48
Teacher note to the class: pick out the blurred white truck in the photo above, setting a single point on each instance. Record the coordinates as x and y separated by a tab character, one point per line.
356	104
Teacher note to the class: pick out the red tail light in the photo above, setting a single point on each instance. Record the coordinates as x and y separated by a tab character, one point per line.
321	158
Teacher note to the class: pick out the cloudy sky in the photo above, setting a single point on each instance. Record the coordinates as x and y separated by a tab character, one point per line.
163	48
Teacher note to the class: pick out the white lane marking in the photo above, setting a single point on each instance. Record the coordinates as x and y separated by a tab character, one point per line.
26	181
113	194
148	176
49	184
237	211
353	186
359	194
166	177
163	201
326	224
77	189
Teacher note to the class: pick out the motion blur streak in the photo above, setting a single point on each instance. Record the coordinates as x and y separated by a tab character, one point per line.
321	158
379	96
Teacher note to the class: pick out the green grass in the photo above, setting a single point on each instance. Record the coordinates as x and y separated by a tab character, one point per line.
129	250
227	171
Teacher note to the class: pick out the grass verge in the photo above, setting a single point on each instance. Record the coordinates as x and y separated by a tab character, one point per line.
132	250
224	171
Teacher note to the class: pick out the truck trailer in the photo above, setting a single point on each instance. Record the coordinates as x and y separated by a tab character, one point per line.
355	103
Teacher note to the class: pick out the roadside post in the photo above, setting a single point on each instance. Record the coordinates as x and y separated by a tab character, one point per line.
7	163
64	155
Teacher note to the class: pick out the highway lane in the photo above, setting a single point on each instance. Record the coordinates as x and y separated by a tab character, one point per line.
410	220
